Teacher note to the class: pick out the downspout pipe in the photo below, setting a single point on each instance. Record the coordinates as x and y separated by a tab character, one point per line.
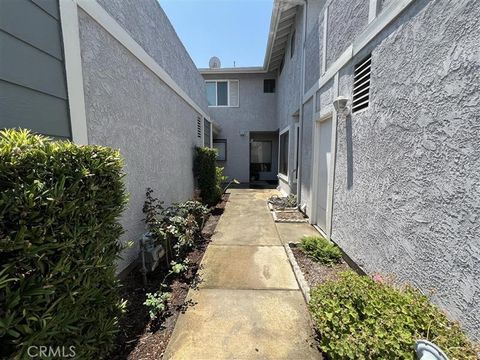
300	113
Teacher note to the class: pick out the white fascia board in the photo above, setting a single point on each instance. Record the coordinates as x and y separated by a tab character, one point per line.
239	70
104	19
73	71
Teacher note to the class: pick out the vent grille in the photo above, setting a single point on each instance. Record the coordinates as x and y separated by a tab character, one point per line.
199	127
361	85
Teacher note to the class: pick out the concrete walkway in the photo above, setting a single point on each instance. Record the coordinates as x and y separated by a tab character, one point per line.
249	305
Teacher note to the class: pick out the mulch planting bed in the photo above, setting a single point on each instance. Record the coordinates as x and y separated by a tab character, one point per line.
314	272
140	337
290	216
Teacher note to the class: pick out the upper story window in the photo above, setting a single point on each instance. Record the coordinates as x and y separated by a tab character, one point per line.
292	44
222	93
269	85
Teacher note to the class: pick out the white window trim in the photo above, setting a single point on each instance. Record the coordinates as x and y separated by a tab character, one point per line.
281	176
228	92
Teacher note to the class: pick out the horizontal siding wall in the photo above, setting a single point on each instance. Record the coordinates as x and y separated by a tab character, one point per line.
33	91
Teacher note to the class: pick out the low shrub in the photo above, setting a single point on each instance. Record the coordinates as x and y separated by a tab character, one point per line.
321	250
176	228
359	318
59	210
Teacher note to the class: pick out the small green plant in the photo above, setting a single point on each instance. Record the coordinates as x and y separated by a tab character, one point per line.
359	318
157	303
321	250
178	268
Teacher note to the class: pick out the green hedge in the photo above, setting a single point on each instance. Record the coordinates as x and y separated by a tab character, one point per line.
205	170
59	210
359	318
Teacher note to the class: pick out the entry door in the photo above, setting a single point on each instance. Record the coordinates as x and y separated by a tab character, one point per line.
324	136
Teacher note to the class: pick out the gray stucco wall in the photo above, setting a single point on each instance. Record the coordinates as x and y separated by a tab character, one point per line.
314	42
313	55
306	153
33	93
130	108
256	112
148	25
407	172
346	20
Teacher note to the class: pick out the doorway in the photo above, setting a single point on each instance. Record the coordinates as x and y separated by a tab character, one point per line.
263	158
322	172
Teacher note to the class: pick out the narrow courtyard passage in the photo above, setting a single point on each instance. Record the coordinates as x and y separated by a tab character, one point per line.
248	305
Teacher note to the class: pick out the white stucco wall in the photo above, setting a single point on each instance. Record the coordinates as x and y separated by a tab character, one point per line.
128	107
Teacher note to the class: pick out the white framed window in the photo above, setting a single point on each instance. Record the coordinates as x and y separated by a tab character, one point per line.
223	93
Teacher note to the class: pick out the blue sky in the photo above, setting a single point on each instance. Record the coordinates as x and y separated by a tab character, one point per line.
233	30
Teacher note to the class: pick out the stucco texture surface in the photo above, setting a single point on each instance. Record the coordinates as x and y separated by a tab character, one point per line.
147	24
256	112
346	19
407	195
313	56
307	147
130	108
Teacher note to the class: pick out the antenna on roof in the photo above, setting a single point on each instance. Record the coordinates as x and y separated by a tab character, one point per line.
214	63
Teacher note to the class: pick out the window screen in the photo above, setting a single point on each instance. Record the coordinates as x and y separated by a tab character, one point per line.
221	146
269	85
283	169
206	132
222	93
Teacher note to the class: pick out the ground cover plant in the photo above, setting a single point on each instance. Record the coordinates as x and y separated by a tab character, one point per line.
321	250
59	210
359	318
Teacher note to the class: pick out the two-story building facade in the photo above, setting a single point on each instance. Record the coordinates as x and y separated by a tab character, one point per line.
392	177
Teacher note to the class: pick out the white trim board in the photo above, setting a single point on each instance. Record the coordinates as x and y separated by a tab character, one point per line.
104	19
374	28
73	71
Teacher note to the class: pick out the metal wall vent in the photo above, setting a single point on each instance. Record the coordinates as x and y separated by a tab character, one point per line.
199	126
361	84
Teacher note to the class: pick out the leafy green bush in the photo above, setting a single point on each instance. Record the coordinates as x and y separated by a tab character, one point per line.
321	250
59	209
206	172
359	318
175	227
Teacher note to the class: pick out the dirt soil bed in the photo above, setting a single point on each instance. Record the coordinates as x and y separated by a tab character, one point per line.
290	215
315	273
140	337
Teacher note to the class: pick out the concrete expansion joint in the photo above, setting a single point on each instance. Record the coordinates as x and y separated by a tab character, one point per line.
248	289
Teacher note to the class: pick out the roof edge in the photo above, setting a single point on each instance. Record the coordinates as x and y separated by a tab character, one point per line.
245	70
